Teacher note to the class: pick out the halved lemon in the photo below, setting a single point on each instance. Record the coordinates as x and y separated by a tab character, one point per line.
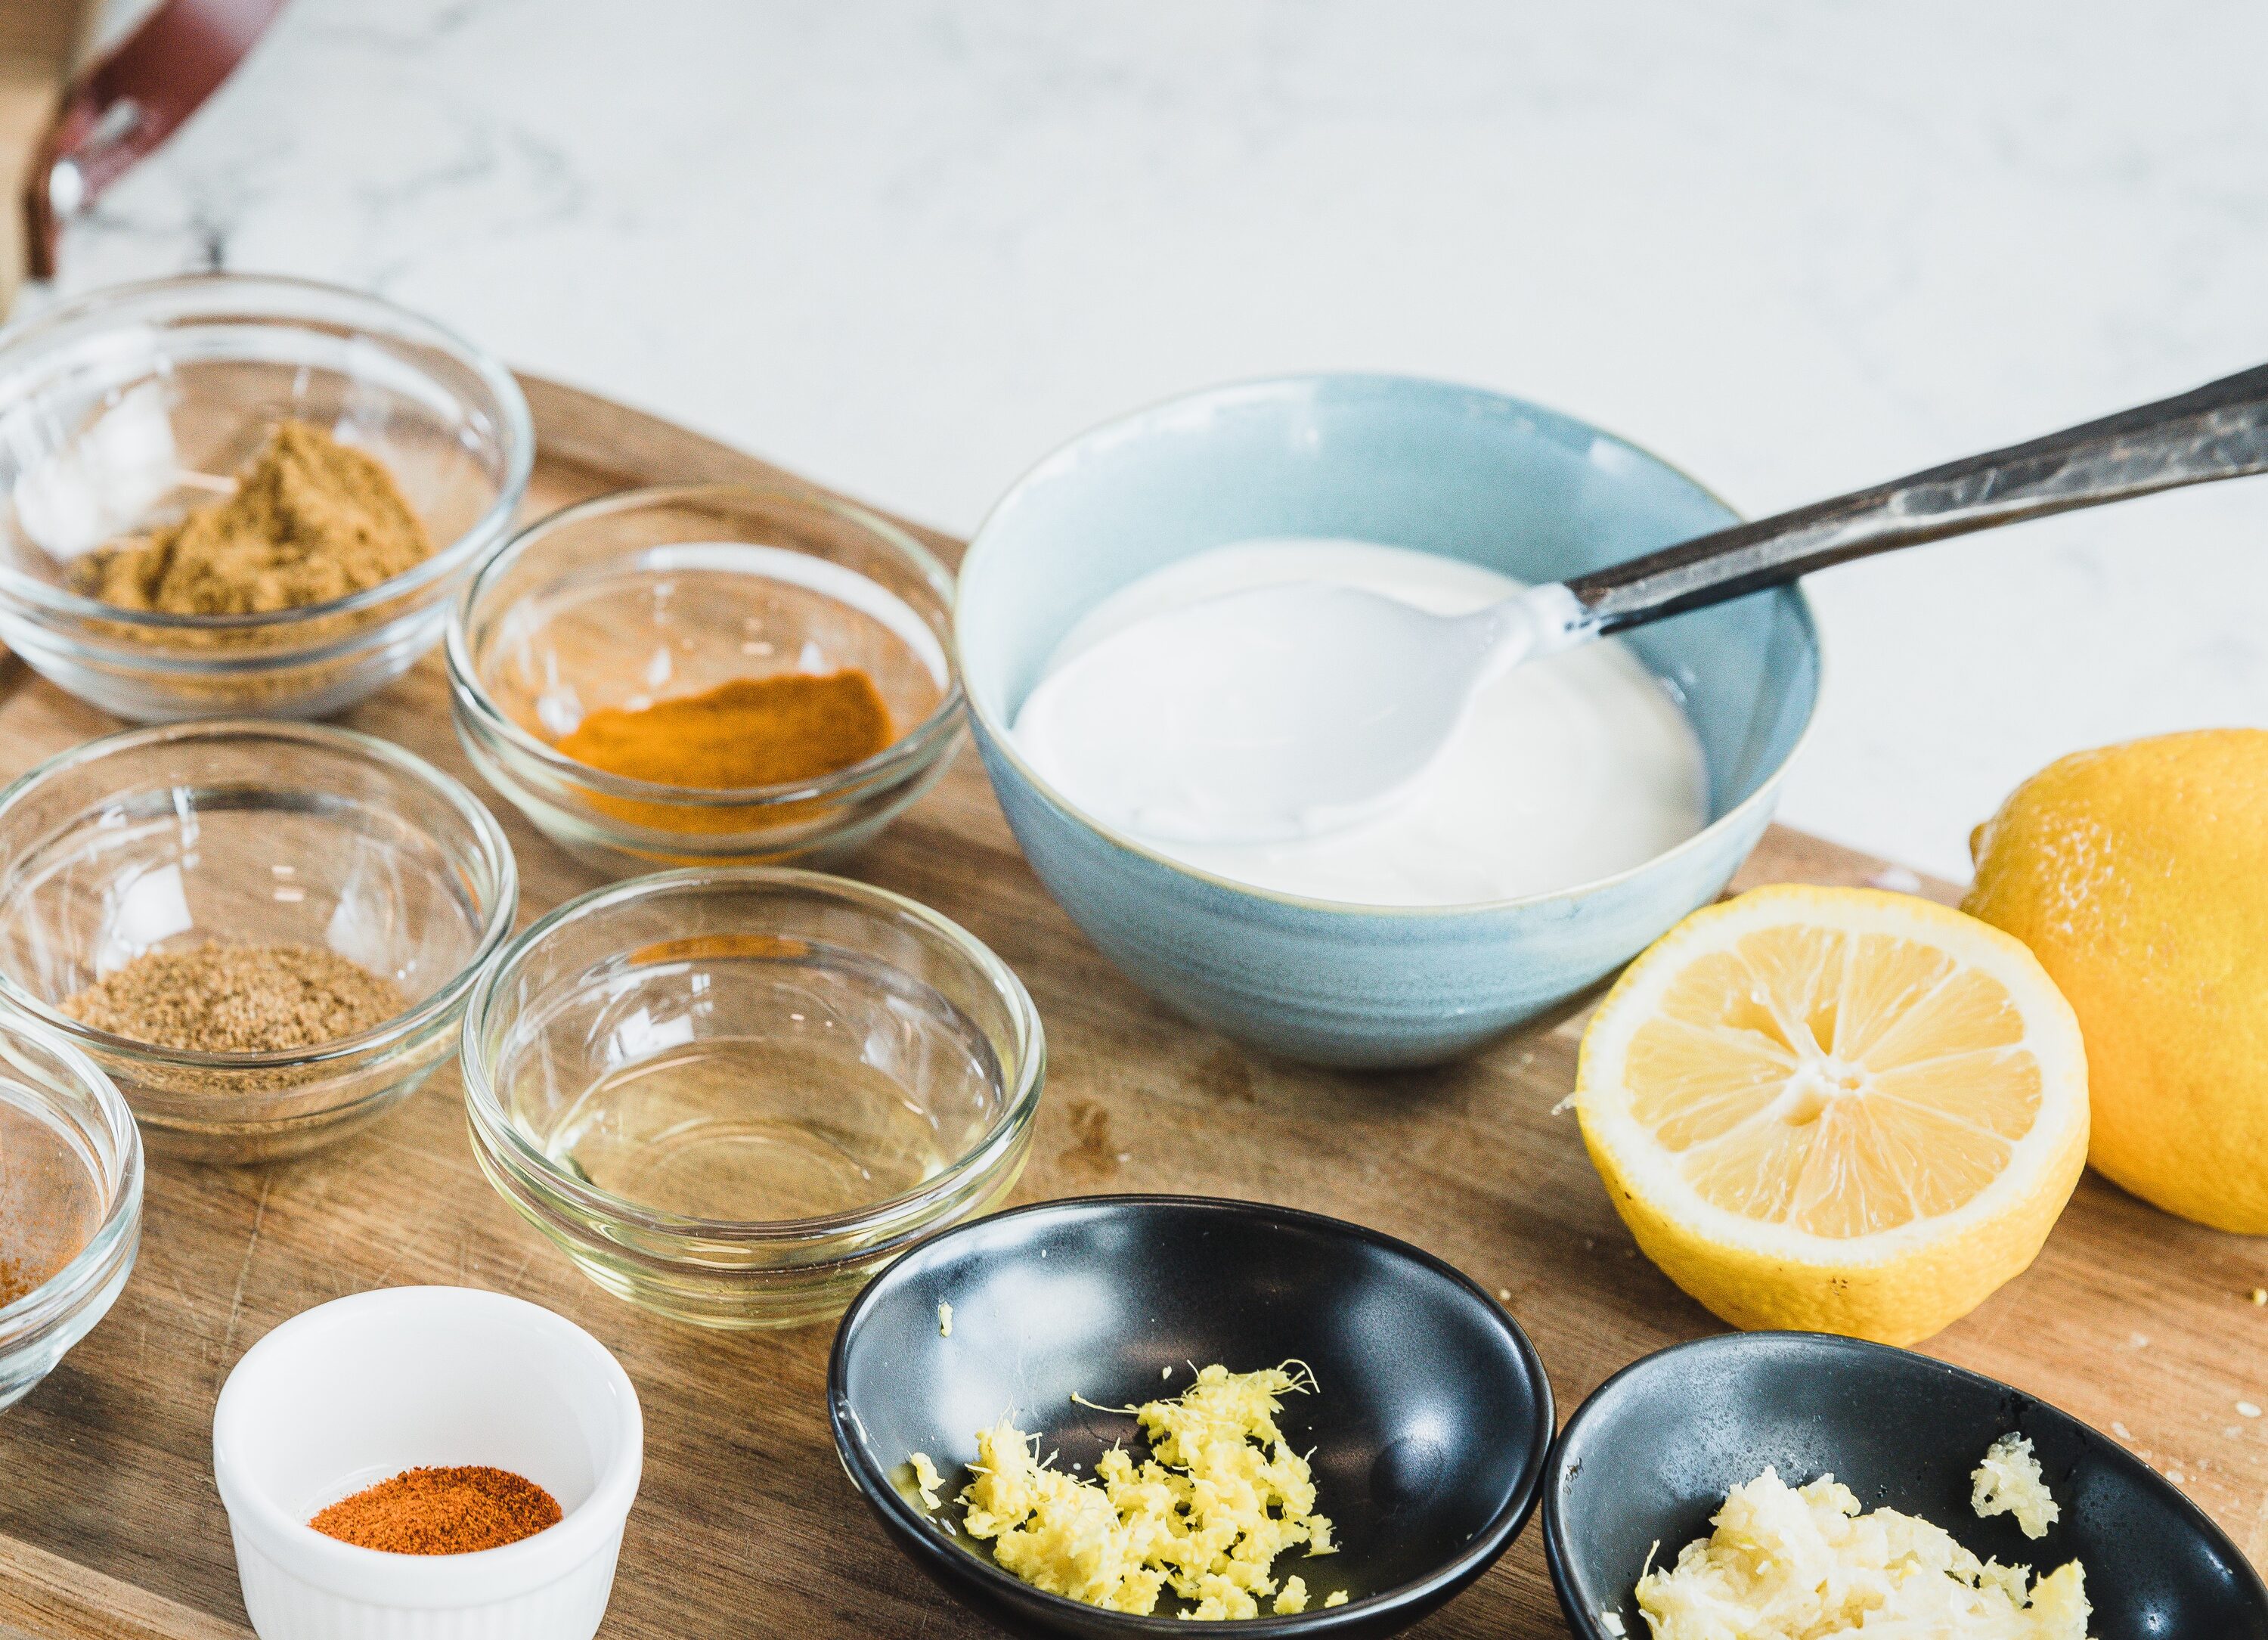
1836	1109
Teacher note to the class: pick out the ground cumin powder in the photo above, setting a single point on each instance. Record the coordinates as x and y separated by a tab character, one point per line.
237	999
441	1512
311	520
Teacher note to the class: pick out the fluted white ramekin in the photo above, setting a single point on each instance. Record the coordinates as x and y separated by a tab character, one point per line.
357	1390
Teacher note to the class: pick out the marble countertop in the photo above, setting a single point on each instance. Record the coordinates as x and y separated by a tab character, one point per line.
910	245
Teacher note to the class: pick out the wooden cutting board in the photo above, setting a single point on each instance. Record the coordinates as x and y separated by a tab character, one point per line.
110	1527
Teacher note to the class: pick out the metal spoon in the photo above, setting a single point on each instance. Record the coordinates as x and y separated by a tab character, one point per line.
1291	710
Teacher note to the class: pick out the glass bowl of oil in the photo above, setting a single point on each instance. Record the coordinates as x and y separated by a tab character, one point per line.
70	1200
732	1095
666	598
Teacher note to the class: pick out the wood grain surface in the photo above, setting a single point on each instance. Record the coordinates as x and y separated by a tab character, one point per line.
110	1528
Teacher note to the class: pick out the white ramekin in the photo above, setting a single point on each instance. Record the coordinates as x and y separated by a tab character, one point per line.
357	1390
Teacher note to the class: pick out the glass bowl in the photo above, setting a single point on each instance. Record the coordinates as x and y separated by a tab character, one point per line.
731	1096
128	406
247	831
71	1177
647	594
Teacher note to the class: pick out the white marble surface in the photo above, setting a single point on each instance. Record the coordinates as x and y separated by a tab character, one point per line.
909	245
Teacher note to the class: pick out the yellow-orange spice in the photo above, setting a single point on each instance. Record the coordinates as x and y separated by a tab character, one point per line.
456	1510
753	731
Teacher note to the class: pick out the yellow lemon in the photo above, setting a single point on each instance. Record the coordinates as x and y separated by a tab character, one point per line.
1836	1109
2138	876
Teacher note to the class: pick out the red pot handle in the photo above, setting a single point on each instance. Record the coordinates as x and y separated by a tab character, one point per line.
131	101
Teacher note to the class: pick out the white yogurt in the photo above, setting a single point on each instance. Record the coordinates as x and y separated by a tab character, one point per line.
1570	768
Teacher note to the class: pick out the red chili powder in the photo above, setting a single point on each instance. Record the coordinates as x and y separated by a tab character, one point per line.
441	1512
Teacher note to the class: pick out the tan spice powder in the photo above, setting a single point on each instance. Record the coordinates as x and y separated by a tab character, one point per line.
237	999
456	1510
311	520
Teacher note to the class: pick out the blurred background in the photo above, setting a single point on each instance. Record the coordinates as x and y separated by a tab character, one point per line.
910	245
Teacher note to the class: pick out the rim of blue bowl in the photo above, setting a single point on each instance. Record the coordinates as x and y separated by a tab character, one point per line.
998	737
1479	1553
1585	1622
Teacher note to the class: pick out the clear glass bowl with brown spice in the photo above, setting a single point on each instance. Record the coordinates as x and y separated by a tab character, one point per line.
70	1200
732	1095
662	604
131	407
174	894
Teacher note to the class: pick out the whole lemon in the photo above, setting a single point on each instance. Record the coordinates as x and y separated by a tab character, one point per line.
2138	876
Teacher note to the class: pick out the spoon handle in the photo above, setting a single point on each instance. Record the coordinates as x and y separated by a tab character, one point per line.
2218	431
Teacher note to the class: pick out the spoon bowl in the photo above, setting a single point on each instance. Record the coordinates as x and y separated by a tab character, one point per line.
1272	713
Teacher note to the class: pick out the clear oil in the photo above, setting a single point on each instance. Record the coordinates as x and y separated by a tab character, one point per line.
749	1130
759	1079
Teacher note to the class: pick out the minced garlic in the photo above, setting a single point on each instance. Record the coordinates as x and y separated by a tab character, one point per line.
927	1482
2009	1483
1221	1495
1790	1563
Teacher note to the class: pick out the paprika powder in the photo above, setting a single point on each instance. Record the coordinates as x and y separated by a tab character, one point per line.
456	1510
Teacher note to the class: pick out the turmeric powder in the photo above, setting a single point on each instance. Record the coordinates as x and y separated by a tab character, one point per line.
753	731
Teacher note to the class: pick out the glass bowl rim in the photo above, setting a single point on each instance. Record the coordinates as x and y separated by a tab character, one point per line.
891	1213
916	747
488	839
30	1317
516	433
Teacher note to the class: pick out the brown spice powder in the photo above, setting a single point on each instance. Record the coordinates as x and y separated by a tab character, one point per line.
441	1512
312	520
237	999
14	1282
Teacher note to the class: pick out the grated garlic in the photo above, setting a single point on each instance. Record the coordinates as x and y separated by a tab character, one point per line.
2009	1483
1787	1563
927	1482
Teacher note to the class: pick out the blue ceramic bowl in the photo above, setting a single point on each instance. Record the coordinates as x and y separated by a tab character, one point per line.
1423	464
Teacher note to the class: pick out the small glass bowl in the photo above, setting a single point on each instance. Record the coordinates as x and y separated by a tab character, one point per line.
732	1095
130	405
46	1081
266	833
650	594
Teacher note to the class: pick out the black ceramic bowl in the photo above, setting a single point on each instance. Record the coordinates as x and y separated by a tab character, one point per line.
1430	1423
1649	1458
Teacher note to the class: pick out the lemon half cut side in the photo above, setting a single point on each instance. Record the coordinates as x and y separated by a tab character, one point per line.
1836	1109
